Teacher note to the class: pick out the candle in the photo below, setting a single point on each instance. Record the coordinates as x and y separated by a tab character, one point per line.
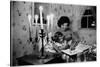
36	19
29	18
48	22
41	18
51	18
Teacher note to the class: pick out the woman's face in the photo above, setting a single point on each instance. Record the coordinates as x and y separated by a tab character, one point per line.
64	26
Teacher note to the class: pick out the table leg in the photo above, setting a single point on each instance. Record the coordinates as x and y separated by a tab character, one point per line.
78	57
67	58
84	57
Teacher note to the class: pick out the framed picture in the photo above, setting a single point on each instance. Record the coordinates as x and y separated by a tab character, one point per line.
52	33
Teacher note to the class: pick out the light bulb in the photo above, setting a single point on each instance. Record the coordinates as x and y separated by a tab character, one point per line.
29	17
48	17
36	17
41	8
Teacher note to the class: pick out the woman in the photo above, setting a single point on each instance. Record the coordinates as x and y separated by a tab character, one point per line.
63	38
64	28
64	35
68	36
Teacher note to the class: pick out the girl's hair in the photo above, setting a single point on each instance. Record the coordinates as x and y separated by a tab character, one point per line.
56	36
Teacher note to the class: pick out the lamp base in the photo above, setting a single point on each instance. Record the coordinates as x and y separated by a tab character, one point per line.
42	57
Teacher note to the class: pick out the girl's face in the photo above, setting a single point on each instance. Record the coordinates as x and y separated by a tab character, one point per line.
61	39
64	26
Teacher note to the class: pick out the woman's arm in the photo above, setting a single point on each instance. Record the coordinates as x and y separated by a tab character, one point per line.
75	40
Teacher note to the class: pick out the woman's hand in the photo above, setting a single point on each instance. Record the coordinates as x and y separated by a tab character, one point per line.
56	48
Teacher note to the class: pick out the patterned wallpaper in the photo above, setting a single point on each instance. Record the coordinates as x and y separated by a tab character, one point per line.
20	28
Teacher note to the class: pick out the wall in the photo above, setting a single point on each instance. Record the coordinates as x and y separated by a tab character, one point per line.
20	44
88	35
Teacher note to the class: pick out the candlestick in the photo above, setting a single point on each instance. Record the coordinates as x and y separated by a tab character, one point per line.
29	18
48	22
36	19
41	18
51	18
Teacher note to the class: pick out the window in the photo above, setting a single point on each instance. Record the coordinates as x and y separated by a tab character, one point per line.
89	18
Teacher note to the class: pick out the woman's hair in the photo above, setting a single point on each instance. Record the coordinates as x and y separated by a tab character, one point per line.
62	20
58	34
